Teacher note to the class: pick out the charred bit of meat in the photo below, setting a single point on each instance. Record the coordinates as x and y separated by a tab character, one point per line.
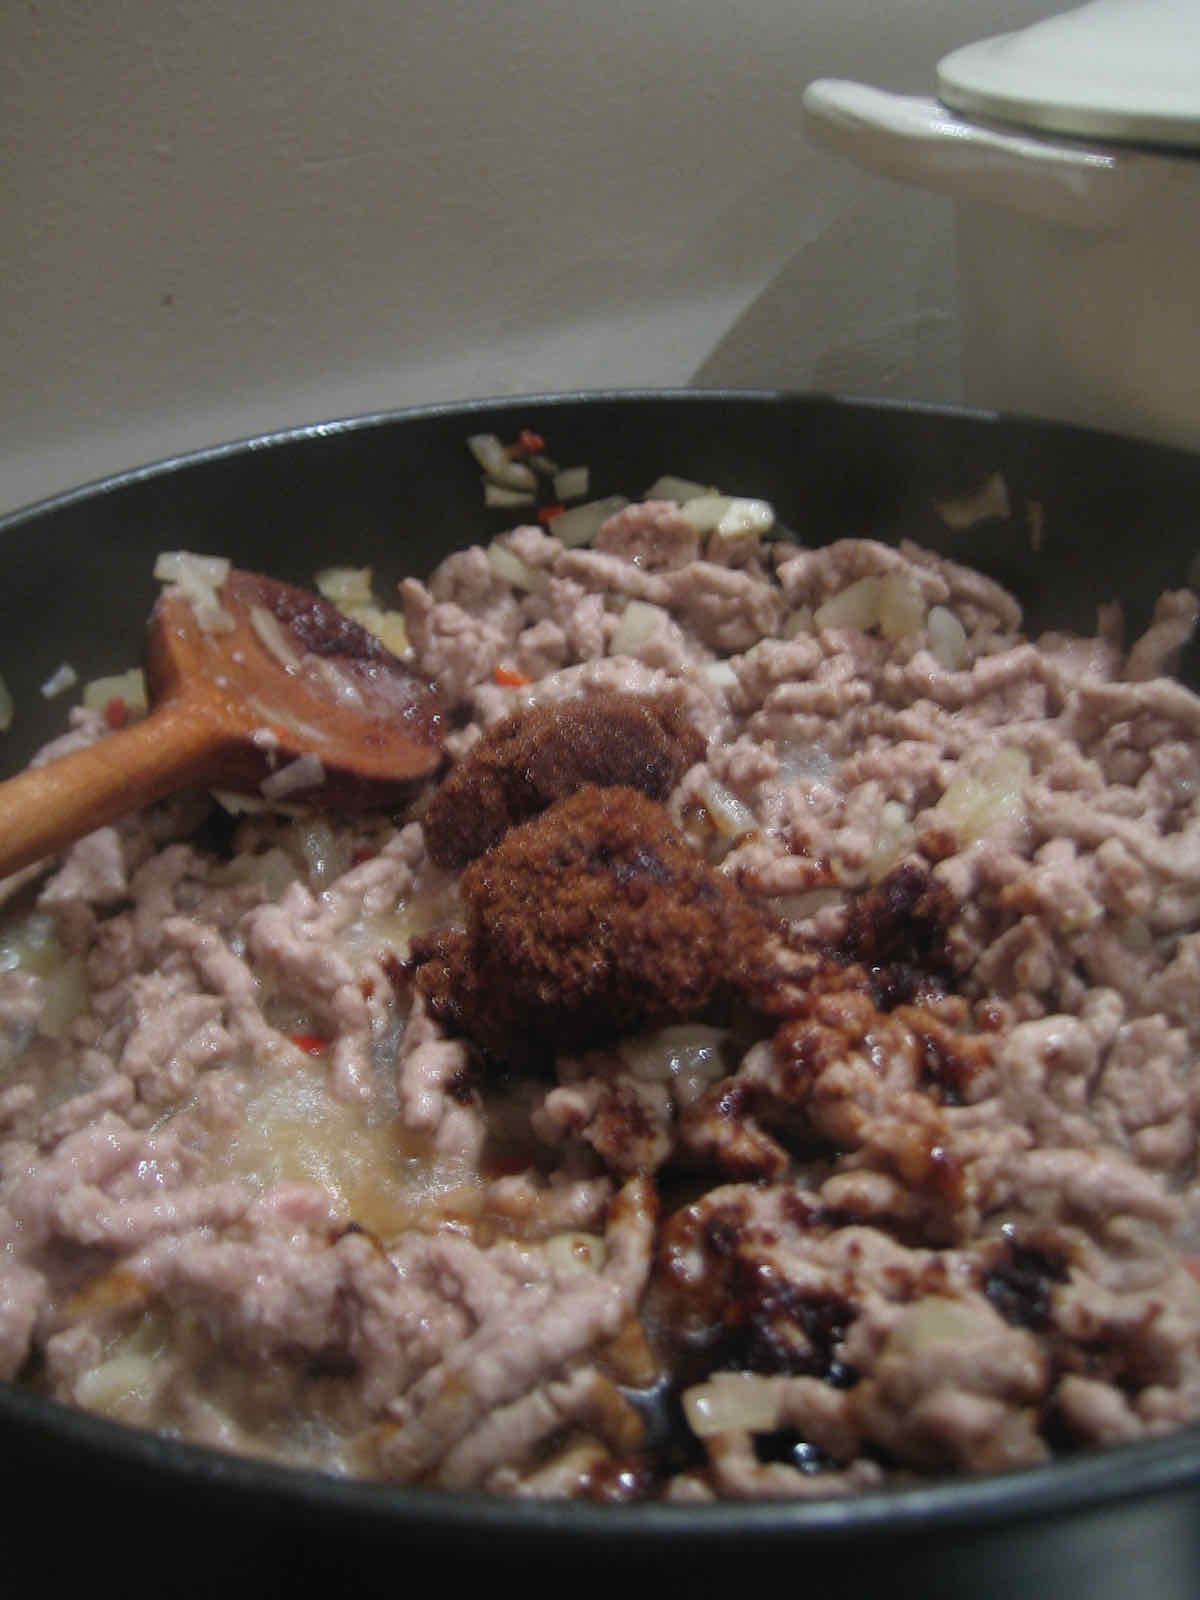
1019	1281
897	931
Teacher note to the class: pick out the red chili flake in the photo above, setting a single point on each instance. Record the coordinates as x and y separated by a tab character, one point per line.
363	853
366	987
548	513
116	712
510	678
311	1043
528	443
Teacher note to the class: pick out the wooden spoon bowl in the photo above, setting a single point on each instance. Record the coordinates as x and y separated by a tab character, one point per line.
273	692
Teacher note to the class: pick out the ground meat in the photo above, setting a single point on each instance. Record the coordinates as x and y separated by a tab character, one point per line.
531	759
631	930
652	535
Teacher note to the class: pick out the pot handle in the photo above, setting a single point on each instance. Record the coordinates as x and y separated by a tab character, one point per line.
920	141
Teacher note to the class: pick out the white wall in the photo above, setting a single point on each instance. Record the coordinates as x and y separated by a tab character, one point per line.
222	217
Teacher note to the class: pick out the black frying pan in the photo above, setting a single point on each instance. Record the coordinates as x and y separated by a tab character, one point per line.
1090	518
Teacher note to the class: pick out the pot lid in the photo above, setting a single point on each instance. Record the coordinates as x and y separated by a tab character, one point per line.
1123	70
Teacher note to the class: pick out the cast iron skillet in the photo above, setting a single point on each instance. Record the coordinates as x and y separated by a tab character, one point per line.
1091	518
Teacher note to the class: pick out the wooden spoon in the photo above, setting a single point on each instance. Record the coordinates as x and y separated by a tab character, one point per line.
284	691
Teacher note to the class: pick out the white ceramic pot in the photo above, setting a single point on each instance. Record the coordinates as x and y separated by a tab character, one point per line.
1079	256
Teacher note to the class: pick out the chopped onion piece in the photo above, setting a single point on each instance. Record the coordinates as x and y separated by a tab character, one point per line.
947	638
330	677
30	942
683	1050
117	1381
272	868
61	679
732	816
186	568
7	708
276	716
746	517
705	511
640	621
581	524
274	637
509	567
798	622
804	903
348	588
326	854
498	464
798	763
856	606
571	483
990	499
901	606
303	773
239	805
127	686
198	578
495	494
64	996
728	516
992	795
893	839
732	1402
387	626
720	673
678	489
934	1319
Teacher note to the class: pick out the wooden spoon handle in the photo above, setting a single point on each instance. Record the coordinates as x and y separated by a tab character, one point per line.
48	807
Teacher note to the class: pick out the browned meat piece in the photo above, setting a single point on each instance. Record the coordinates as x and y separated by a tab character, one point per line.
888	1347
592	920
525	763
876	1087
897	930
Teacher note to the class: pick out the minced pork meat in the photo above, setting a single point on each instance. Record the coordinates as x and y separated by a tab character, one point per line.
782	1018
